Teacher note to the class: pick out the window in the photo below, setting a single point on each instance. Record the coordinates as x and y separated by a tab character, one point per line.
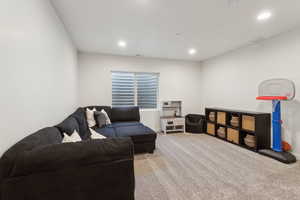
147	92
135	89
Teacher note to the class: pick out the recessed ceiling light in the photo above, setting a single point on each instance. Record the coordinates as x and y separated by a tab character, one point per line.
264	15
192	51
122	43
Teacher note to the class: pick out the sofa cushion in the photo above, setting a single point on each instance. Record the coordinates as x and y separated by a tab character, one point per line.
110	131
123	114
120	124
138	133
107	131
68	126
136	130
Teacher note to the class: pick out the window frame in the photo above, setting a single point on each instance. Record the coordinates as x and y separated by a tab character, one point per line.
136	88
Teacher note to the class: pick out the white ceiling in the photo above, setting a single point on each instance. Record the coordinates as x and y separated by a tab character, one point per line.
150	26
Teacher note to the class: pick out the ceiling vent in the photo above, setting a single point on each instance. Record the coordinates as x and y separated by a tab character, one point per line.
233	3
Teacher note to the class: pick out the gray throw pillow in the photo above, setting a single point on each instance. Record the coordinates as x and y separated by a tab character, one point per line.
100	119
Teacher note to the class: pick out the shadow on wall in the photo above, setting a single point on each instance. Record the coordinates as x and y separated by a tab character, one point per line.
291	121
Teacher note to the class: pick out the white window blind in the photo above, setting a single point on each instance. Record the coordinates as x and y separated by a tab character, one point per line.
147	84
139	89
123	89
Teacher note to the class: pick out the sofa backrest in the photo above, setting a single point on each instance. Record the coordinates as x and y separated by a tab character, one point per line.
80	117
76	121
42	137
69	125
119	114
125	114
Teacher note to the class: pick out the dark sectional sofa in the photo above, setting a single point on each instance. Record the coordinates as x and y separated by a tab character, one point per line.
40	167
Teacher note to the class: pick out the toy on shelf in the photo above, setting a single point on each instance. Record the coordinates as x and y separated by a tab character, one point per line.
277	90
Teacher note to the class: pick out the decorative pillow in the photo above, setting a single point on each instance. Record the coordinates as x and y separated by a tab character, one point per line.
66	138
106	116
68	126
100	119
90	117
80	116
95	135
73	138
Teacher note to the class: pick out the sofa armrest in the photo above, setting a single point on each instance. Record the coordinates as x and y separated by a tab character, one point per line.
72	155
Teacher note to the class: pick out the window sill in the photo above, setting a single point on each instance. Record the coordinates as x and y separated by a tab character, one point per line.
149	109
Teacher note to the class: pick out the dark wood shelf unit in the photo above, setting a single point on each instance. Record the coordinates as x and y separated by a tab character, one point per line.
248	131
257	124
233	127
210	121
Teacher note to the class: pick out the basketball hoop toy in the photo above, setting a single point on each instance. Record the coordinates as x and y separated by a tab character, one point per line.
277	90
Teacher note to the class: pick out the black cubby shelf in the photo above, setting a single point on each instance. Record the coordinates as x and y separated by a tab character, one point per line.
256	124
233	127
221	125
248	131
210	121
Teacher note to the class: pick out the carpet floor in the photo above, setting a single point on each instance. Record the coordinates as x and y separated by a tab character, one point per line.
198	166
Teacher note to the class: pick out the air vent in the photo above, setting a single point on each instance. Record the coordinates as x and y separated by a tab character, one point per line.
233	3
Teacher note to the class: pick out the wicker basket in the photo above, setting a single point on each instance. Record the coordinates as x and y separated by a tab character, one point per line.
221	132
234	121
250	141
212	116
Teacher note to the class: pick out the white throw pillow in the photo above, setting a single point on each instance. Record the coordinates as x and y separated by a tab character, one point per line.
95	135
106	116
73	138
90	117
66	139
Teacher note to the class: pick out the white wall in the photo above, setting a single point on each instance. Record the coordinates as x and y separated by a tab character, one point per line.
38	69
179	80
232	80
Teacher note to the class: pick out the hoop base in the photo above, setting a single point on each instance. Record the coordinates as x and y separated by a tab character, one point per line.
285	157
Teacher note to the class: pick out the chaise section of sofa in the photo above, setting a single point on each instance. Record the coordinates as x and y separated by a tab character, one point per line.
126	123
143	137
40	167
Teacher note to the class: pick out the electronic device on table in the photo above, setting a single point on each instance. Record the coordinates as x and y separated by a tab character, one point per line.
171	118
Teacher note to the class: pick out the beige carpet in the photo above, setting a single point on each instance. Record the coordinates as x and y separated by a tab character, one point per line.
196	167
